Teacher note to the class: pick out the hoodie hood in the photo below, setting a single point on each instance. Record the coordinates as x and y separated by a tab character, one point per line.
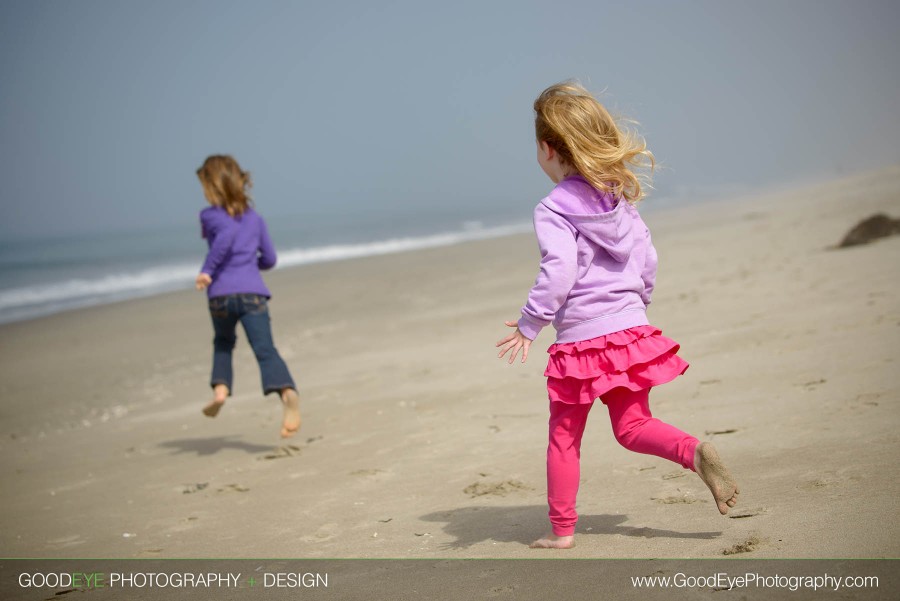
600	217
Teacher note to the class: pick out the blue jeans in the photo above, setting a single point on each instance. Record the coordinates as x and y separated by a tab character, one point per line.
252	311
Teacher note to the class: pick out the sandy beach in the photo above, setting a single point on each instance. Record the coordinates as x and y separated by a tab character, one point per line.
417	442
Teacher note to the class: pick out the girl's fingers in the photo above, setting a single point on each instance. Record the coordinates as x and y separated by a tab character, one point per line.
508	347
513	342
507	339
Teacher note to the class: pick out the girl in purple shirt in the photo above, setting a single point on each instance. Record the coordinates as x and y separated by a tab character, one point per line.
239	247
598	268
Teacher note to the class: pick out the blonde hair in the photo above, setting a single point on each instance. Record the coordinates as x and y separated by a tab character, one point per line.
225	184
586	137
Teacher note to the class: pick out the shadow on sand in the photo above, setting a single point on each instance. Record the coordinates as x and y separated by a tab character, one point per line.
210	446
524	523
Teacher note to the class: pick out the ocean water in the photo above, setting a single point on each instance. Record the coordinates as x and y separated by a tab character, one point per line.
44	276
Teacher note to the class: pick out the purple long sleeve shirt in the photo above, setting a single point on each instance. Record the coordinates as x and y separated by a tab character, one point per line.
239	247
598	265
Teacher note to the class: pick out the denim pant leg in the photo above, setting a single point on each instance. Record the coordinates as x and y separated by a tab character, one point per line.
223	311
255	319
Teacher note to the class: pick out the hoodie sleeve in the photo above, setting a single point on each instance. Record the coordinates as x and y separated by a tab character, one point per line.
267	256
559	268
649	272
219	229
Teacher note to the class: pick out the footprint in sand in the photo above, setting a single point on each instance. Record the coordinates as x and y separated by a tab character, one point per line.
673	500
821	481
817	484
811	385
233	488
502	590
747	546
370	472
324	533
498	489
746	513
869	399
282	452
189	489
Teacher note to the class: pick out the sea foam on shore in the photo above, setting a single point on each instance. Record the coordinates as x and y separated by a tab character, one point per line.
34	300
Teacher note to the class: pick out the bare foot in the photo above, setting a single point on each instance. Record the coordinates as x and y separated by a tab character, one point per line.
220	393
716	476
291	422
551	541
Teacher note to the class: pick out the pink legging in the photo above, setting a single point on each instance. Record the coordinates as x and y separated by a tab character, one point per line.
633	427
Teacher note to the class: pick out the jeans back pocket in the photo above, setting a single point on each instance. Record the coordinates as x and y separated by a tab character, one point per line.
254	303
218	306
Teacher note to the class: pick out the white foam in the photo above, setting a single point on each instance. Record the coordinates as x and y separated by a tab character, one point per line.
150	279
472	231
42	299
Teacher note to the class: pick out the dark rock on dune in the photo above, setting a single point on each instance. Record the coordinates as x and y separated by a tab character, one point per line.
871	228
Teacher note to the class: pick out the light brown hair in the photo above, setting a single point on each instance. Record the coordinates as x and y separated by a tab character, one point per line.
587	138
225	184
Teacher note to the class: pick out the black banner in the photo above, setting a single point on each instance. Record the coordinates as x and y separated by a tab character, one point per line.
468	579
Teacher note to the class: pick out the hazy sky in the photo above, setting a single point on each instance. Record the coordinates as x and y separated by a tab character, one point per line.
108	107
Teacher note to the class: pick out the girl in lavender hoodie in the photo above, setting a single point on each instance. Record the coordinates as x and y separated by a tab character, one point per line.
596	275
239	247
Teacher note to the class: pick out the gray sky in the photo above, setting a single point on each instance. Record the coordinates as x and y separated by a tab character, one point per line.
108	107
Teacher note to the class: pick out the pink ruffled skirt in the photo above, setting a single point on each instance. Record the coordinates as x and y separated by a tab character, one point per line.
636	358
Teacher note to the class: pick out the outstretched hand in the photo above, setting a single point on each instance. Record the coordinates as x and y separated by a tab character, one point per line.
203	281
514	342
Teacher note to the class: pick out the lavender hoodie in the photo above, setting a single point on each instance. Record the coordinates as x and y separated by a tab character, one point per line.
238	248
598	265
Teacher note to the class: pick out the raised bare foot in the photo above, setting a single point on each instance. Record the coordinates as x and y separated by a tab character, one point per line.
551	541
716	476
220	393
291	422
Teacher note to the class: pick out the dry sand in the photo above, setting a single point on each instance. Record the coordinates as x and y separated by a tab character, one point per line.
417	442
